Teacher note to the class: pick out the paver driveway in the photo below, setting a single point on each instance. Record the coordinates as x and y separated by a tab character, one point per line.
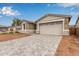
35	45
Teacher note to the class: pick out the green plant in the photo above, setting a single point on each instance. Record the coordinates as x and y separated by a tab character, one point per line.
17	32
11	32
16	22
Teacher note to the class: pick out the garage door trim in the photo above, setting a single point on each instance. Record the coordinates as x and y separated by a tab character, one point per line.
55	22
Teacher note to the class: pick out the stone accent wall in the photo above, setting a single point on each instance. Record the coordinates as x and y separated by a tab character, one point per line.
27	31
65	32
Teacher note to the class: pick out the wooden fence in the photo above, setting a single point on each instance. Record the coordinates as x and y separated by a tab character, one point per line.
72	31
77	31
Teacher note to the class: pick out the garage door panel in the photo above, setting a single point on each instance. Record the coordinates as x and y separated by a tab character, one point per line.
51	28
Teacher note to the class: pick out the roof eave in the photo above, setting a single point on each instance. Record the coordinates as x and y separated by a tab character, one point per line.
61	15
28	21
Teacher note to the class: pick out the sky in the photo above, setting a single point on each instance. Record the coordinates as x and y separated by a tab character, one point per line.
34	11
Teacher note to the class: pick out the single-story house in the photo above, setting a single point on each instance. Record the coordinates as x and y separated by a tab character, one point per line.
11	29
56	24
25	27
77	23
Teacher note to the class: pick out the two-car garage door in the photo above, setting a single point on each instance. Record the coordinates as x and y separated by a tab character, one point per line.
51	28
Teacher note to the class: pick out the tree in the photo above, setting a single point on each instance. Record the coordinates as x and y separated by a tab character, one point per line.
16	22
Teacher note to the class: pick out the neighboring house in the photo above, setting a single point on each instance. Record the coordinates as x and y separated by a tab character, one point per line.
56	24
3	29
12	29
77	23
77	27
25	27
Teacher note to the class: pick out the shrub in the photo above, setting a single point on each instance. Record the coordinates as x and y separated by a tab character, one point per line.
11	32
17	32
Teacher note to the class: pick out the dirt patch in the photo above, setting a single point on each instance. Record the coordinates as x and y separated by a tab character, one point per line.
69	46
5	37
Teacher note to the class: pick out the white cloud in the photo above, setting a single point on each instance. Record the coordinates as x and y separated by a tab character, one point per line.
9	11
68	4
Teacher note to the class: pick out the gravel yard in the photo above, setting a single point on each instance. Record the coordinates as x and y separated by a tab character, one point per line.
69	46
35	45
8	36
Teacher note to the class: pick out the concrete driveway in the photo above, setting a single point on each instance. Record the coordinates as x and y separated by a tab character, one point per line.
35	45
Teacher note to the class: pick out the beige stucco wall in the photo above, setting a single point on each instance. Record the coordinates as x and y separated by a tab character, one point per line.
53	18
49	19
66	23
29	25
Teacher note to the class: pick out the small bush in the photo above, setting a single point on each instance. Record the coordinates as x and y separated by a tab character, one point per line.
17	32
72	45
11	32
